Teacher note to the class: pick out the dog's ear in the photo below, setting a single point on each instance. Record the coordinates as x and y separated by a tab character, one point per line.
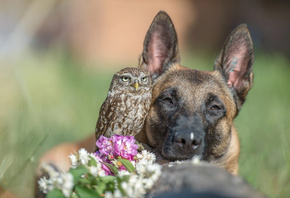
236	60
160	48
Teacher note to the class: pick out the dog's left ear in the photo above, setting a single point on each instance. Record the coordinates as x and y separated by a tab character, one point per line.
235	62
160	48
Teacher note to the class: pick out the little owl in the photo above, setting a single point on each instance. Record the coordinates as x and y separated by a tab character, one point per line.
127	103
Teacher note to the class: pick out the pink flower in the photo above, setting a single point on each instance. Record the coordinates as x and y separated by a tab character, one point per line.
99	156
105	146
111	148
106	169
122	168
125	146
103	158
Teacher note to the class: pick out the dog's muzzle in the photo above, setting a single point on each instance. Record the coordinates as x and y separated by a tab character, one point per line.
185	140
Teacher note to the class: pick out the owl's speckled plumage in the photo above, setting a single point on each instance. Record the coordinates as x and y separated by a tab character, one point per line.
127	104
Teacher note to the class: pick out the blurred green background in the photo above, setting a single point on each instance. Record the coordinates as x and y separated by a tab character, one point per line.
55	72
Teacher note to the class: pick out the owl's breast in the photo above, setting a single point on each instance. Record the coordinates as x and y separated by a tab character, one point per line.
125	113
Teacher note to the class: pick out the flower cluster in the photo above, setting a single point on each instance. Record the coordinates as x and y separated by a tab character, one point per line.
114	148
57	180
115	170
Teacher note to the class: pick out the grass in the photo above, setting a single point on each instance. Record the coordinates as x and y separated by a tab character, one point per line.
264	128
49	100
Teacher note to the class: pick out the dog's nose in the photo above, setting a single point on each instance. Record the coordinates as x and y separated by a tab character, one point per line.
187	141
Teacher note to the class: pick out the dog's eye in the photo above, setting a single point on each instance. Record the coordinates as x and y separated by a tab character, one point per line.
215	107
168	100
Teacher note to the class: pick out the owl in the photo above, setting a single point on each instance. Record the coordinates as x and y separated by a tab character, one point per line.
127	103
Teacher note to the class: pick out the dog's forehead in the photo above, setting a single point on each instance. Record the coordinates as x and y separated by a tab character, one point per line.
190	80
193	85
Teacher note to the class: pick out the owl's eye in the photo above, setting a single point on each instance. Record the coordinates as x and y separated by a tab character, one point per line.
125	78
144	79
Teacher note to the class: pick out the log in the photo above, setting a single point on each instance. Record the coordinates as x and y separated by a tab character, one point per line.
200	180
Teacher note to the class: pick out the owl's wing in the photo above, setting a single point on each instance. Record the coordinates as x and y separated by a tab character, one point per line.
107	117
100	127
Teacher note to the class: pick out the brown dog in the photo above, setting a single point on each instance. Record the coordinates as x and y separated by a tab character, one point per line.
192	111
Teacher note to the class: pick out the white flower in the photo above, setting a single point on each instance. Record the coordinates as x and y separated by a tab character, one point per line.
144	152
57	181
94	171
141	167
108	194
148	183
83	156
123	172
135	186
149	169
93	156
43	184
152	167
124	185
128	188
149	157
133	180
130	191
139	156
97	171
117	194
47	168
54	181
102	173
148	175
133	163
156	175
68	184
139	188
74	160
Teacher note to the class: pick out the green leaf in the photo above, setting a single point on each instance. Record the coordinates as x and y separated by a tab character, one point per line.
74	195
90	177
55	194
92	161
106	183
108	178
83	181
109	181
119	180
78	172
112	168
128	165
86	193
101	187
125	178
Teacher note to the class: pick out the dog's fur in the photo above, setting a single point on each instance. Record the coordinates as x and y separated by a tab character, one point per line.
192	111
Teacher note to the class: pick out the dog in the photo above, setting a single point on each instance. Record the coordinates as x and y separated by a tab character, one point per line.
192	112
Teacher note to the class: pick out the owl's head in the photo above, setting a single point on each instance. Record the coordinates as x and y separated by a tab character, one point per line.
132	80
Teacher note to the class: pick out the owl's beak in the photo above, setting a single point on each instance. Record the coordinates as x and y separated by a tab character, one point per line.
136	85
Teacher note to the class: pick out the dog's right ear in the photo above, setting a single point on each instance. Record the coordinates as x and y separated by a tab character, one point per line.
160	48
